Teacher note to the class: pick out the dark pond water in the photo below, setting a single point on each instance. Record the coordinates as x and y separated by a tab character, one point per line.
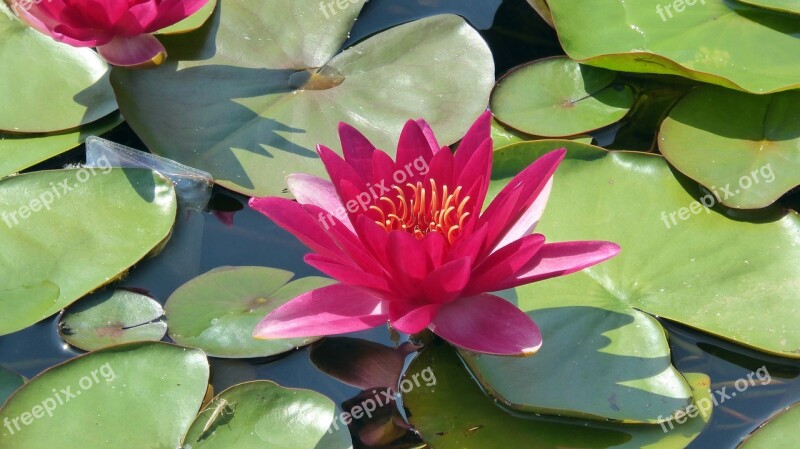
203	241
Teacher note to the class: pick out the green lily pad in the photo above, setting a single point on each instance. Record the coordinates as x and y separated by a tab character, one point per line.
21	151
261	414
192	22
600	360
74	230
715	41
556	97
9	382
502	136
61	88
134	395
24	305
788	6
725	272
744	147
779	432
280	88
110	318
456	414
218	311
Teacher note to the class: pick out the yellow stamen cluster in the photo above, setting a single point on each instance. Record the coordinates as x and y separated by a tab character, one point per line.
424	211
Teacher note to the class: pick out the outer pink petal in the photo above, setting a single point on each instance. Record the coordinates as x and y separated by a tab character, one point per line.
357	150
477	134
39	21
311	190
516	197
488	324
347	274
475	177
559	259
504	264
529	219
416	319
414	148
140	51
429	135
335	309
294	218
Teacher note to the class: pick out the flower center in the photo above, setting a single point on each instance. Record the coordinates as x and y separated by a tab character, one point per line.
422	211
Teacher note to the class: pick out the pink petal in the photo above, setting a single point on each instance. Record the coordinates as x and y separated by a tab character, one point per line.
414	148
529	219
135	52
318	192
441	169
357	150
407	261
39	21
476	175
374	238
435	245
414	320
340	171
383	168
347	274
469	245
488	324
429	135
516	198
446	282
503	264
559	259
136	19
294	218
335	309
477	134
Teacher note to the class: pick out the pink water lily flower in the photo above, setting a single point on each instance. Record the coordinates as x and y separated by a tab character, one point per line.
409	244
120	29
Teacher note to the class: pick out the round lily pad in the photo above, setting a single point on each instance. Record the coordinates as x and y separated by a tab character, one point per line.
722	42
23	305
455	414
61	87
133	395
21	151
745	148
276	95
261	414
779	432
218	311
9	382
558	97
110	318
726	272
64	233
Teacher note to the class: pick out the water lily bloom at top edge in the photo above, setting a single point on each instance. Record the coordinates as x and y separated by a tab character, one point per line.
408	242
120	29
